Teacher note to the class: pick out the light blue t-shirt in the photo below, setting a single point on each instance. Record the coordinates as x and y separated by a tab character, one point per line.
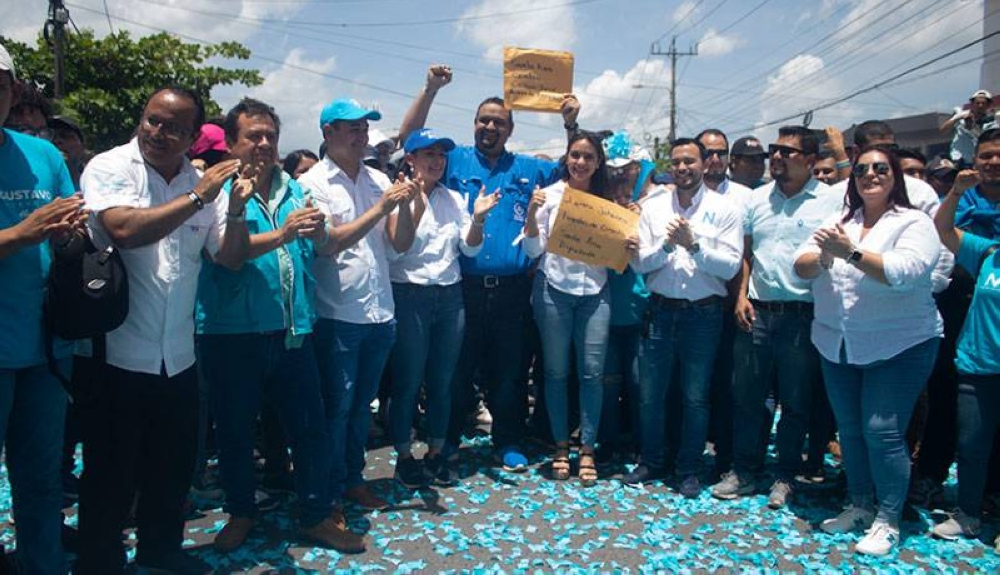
978	351
778	225
32	174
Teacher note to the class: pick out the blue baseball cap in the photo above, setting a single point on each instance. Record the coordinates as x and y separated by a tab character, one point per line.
346	109
425	138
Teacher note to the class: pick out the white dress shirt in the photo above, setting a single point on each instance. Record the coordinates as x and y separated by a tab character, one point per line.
924	198
564	274
163	275
353	285
872	320
674	272
440	236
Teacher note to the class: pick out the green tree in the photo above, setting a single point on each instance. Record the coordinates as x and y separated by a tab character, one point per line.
107	80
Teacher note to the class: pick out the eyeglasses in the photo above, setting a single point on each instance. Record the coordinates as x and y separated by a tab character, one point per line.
861	170
783	151
723	154
43	133
168	129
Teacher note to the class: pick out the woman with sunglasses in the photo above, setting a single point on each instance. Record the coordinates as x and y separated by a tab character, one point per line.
877	331
572	307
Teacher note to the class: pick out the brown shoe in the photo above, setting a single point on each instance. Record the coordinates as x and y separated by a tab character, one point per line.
233	534
365	499
338	517
328	533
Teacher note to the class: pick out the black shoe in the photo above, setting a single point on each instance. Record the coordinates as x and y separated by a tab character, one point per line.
642	474
176	563
438	471
410	473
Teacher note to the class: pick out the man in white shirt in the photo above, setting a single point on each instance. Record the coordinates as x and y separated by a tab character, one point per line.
721	422
774	313
356	327
689	245
142	433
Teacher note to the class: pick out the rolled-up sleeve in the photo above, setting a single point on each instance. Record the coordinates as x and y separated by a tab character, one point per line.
914	254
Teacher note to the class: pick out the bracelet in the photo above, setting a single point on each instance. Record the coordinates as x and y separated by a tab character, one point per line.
843	164
196	200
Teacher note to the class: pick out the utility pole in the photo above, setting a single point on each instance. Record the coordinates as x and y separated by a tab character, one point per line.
58	18
673	54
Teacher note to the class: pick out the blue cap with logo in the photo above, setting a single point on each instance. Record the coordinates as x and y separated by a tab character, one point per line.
425	138
346	109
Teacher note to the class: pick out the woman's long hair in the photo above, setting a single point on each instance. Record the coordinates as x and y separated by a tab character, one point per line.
292	160
897	197
600	182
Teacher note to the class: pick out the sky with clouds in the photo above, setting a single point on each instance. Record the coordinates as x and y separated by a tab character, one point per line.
758	60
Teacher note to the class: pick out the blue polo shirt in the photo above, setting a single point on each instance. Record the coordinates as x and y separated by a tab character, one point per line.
977	214
516	176
978	350
32	174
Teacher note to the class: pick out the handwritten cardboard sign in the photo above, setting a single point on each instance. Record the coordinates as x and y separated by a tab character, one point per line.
592	230
536	79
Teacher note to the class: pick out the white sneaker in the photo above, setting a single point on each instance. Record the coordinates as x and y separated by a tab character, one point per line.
879	539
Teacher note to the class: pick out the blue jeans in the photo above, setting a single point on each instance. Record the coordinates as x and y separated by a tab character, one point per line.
32	415
351	358
777	349
242	371
497	316
686	338
621	386
873	404
566	320
430	325
978	421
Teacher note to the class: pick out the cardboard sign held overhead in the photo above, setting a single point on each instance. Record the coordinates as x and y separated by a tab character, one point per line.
536	79
592	230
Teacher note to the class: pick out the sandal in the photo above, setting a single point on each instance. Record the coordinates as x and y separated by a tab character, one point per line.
560	465
588	470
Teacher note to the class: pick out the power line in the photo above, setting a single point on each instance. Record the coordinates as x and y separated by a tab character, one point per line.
878	85
681	20
742	18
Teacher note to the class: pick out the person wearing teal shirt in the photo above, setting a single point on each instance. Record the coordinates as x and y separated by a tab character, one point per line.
256	324
978	351
39	213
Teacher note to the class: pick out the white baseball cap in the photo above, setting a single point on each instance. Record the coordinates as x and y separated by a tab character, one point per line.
6	62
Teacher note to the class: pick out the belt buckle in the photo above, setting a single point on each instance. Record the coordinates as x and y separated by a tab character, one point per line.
491	282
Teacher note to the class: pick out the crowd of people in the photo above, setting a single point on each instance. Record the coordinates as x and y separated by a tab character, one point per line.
855	287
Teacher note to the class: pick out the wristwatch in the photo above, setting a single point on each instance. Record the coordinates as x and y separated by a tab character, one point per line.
196	200
695	248
855	257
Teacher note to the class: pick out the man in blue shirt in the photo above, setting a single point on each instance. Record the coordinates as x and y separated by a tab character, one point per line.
38	211
256	343
496	285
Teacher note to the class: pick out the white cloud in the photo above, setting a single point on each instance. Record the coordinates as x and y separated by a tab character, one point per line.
714	44
611	100
297	97
684	11
531	24
908	29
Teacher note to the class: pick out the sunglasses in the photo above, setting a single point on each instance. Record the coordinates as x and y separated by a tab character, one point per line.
861	170
783	151
721	153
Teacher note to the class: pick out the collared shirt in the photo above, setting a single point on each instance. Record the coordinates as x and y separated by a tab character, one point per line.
32	174
872	320
673	271
439	238
735	191
978	214
352	285
515	176
777	225
924	198
163	275
564	274
978	350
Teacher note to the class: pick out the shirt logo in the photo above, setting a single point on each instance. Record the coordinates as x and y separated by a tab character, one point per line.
520	213
992	281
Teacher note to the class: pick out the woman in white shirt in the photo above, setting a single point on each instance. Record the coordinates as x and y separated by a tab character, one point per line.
877	330
430	313
572	307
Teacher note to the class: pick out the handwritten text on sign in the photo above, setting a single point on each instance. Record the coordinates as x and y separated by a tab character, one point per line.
536	79
592	230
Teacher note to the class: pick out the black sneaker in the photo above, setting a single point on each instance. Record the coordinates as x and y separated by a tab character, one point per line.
642	474
410	473
438	471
